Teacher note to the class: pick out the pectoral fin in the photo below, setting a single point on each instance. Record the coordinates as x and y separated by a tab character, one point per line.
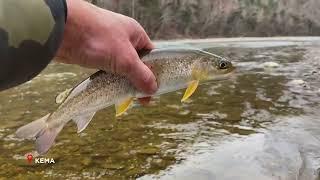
190	90
83	121
63	95
122	107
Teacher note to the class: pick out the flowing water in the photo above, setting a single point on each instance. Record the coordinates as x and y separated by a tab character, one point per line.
263	123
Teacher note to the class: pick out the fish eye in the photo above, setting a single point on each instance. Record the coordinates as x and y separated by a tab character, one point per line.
223	65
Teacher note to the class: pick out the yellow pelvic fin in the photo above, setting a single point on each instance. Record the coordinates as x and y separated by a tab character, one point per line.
123	106
190	90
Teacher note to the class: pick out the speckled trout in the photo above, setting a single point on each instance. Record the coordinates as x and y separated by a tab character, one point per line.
174	69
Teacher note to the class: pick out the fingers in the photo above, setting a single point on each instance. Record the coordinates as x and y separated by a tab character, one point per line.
138	73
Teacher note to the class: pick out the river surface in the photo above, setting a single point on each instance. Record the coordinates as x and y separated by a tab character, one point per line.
262	123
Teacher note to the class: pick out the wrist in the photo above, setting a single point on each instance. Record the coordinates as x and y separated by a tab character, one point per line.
74	34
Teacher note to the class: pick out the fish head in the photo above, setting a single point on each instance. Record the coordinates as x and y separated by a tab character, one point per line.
213	67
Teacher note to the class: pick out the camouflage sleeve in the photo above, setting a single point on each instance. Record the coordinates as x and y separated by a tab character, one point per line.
30	34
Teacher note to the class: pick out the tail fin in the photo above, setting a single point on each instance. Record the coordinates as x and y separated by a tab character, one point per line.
39	130
46	138
32	129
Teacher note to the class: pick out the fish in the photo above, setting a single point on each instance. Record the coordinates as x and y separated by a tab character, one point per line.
174	69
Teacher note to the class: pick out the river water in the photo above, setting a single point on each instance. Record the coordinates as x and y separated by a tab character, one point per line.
263	123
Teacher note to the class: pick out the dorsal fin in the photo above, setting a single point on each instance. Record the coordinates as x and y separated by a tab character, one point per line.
79	88
63	95
70	93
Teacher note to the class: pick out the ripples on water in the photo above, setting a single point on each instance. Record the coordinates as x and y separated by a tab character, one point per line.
262	123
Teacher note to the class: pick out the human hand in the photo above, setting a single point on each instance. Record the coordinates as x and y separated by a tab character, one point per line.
101	39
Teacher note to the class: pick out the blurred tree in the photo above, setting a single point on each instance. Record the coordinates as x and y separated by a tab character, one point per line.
206	18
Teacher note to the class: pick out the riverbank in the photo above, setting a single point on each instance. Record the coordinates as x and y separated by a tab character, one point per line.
167	19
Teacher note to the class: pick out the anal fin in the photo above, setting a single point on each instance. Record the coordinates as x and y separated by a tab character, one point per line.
83	121
123	106
190	90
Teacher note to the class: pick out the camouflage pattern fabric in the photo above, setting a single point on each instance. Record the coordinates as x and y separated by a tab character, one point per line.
30	34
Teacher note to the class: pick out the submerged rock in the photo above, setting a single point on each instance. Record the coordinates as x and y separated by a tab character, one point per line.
113	166
270	65
86	161
296	82
149	151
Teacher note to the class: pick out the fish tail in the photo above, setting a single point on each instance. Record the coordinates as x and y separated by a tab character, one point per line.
32	129
46	138
39	130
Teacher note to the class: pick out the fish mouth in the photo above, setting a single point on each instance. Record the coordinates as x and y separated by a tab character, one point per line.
231	70
224	76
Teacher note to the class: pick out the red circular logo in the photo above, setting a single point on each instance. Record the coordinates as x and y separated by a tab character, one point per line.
29	158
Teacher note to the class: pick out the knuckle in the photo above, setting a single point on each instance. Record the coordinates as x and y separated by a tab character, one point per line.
135	24
133	21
